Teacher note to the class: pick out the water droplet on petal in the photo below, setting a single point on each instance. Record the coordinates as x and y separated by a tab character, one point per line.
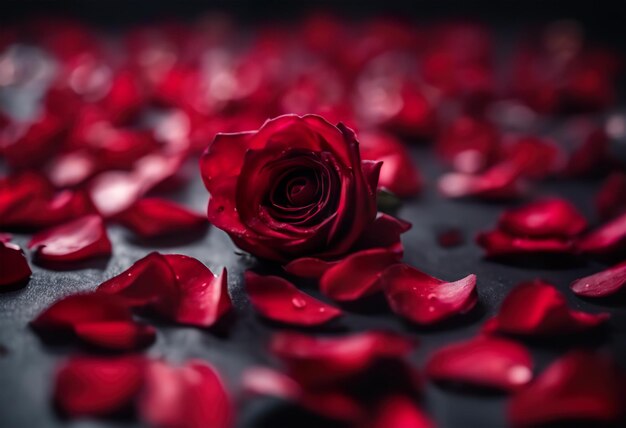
298	302
519	375
431	296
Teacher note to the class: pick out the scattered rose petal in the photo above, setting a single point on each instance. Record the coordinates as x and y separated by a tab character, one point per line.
399	412
189	396
546	218
316	361
423	299
499	243
308	267
279	300
501	181
119	335
75	241
152	217
611	198
590	155
88	386
535	157
538	309
384	232
484	362
357	275
601	284
15	268
580	386
606	239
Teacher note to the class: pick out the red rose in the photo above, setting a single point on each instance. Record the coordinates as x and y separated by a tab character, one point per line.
296	187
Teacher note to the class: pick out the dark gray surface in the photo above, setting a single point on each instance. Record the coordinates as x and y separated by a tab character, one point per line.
26	370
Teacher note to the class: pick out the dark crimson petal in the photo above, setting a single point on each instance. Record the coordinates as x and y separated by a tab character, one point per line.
399	412
76	309
398	173
611	198
580	386
15	268
20	197
279	300
146	281
537	308
604	283
315	361
357	275
501	181
151	217
308	267
201	298
535	157
384	232
606	239
113	192
499	243
118	335
423	299
189	396
77	240
590	155
330	404
224	157
88	386
546	218
484	362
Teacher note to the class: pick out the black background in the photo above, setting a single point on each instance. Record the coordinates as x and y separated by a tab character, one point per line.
28	365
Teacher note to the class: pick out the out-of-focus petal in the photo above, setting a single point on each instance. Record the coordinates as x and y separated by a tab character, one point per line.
604	283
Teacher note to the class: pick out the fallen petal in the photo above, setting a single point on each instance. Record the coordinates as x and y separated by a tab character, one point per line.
484	362
499	243
611	198
308	267
399	412
15	268
547	218
601	284
423	299
606	239
279	300
117	335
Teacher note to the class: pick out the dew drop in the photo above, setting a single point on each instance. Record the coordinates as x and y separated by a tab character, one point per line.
298	302
519	375
431	296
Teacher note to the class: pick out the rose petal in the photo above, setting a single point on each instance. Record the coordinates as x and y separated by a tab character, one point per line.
601	284
578	386
202	298
398	174
118	335
316	361
606	239
546	218
77	240
499	243
330	404
147	280
357	275
469	144
611	198
423	299
501	181
483	362
399	412
537	308
15	268
590	155
308	267
384	232
152	217
535	157
189	396
88	386
279	300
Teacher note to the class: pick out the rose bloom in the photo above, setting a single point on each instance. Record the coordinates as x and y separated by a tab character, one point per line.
297	187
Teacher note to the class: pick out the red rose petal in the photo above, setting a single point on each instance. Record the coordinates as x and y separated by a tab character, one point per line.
77	240
546	218
20	196
501	181
499	243
201	298
279	300
113	192
601	284
97	386
399	412
611	198
118	335
189	396
535	157
398	173
315	361
384	232
537	308
485	362
15	268
308	267
330	404
147	280
606	239
152	217
590	155
578	386
423	299
357	275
